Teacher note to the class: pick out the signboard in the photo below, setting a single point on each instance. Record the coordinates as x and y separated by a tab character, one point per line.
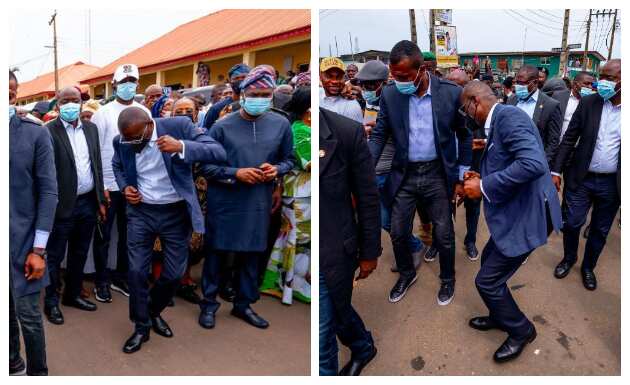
570	46
443	15
446	46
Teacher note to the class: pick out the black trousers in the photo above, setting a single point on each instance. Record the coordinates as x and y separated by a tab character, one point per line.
25	314
102	235
75	233
424	185
170	222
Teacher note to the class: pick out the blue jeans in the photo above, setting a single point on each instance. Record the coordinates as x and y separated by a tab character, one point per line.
415	244
600	191
24	314
351	333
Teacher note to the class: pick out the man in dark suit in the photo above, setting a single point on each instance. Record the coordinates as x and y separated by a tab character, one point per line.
81	199
32	203
593	175
521	207
152	163
582	85
542	109
350	237
420	112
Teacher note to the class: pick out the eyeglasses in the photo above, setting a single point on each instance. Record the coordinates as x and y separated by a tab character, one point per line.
135	141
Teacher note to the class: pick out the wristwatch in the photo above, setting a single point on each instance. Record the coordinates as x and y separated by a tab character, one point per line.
43	254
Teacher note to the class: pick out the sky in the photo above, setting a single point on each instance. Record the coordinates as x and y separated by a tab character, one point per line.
477	30
113	34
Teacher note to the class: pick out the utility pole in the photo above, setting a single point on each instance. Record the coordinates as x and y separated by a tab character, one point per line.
588	34
432	31
412	25
336	46
564	55
53	21
351	48
612	35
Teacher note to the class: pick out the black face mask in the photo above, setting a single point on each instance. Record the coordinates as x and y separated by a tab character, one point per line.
137	148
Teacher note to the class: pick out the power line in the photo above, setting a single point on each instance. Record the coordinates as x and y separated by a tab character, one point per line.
507	11
559	18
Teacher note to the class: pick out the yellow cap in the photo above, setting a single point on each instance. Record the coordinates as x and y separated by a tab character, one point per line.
331	62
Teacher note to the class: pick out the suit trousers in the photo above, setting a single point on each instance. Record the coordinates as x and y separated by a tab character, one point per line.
473	210
491	281
352	333
75	234
599	191
145	222
25	314
246	278
102	235
424	185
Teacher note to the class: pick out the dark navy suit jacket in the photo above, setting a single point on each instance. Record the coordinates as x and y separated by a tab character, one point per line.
393	120
199	148
516	183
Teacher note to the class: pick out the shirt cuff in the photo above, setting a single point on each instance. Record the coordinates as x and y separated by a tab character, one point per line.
483	192
462	170
183	153
41	239
556	174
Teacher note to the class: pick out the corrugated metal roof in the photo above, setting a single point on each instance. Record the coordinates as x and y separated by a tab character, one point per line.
68	76
216	31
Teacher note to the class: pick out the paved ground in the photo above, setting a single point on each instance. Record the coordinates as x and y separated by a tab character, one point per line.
91	343
578	331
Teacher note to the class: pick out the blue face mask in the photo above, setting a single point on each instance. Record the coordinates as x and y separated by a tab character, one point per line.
407	88
606	89
521	91
370	96
256	106
69	112
585	91
11	112
126	91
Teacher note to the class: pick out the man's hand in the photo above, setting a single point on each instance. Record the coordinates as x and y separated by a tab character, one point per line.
132	195
368	126
458	193
169	144
366	267
250	175
276	198
478	144
472	187
34	267
557	181
102	213
269	171
108	198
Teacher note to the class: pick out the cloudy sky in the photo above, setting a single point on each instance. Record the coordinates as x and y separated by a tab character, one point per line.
114	33
477	30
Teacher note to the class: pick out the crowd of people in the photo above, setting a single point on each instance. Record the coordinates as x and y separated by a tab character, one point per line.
225	181
410	137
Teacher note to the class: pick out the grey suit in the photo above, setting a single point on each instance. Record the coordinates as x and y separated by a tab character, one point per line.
548	118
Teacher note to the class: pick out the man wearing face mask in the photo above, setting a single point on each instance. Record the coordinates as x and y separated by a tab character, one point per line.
32	203
81	199
520	205
236	75
592	171
331	72
372	78
259	148
152	162
582	86
433	149
542	109
125	83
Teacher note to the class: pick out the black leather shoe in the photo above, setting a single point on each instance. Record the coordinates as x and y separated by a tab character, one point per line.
161	327
79	303
206	320
134	343
588	279
513	348
54	315
563	269
249	316
400	288
472	252
354	367
482	323
187	292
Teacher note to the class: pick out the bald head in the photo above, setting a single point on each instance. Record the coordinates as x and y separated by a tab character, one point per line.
476	89
612	67
477	100
459	77
69	94
132	122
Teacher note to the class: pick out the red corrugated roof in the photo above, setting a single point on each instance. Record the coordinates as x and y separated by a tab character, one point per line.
45	84
213	34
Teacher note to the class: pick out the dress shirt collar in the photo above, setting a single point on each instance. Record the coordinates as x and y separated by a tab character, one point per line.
69	125
534	97
153	140
489	118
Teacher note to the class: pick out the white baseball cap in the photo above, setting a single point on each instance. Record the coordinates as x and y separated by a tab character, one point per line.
126	70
